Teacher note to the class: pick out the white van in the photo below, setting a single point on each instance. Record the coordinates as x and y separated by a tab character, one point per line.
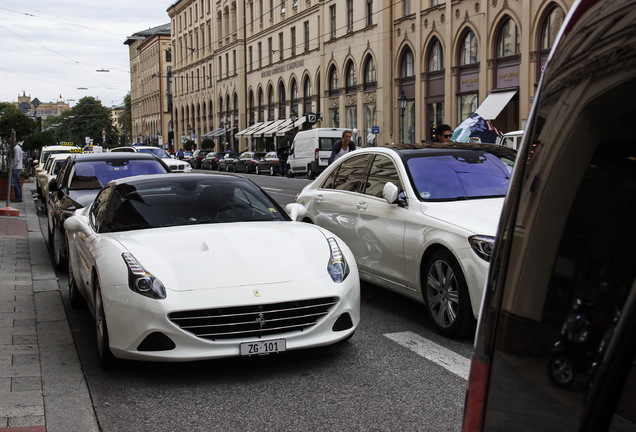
310	151
512	139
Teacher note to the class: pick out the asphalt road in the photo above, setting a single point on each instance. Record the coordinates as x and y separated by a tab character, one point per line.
395	374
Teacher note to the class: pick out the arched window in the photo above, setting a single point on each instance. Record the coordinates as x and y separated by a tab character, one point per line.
221	112
370	75
270	103
236	107
250	107
282	99
468	50
261	105
508	39
436	57
407	66
294	96
333	81
306	95
350	76
550	28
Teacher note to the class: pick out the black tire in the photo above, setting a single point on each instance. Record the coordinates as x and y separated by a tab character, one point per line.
271	170
227	168
257	170
104	354
446	295
59	261
310	174
561	370
77	301
289	172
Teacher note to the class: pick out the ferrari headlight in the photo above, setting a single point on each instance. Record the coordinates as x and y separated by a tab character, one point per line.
142	282
338	268
482	245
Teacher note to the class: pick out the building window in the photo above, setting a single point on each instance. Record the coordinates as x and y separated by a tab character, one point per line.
307	96
370	75
294	97
369	12
281	46
508	40
352	117
250	107
261	106
551	27
407	67
468	53
332	21
282	99
251	15
306	27
350	76
436	57
407	7
234	62
370	120
270	50
250	57
260	55
467	104
293	41
227	65
349	16
334	117
333	81
168	56
271	10
260	6
270	103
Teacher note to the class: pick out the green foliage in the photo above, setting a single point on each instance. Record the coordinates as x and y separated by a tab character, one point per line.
39	139
86	119
13	119
188	144
207	143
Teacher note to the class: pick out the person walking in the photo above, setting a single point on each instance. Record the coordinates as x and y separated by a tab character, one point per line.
16	168
283	155
342	146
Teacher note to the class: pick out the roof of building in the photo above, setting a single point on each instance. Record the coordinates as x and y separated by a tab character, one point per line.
163	29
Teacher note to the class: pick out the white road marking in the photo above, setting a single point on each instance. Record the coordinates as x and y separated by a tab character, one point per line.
455	363
271	189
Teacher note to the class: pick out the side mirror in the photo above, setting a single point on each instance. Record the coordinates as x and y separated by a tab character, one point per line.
77	224
296	211
390	193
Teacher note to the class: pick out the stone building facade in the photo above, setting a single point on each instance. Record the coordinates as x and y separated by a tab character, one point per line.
150	54
249	73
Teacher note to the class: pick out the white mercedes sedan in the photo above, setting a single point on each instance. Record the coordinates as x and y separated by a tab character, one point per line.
421	222
286	285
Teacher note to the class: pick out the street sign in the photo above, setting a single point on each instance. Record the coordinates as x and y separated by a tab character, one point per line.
375	130
311	118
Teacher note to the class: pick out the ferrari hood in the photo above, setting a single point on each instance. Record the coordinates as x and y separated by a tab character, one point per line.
479	216
235	254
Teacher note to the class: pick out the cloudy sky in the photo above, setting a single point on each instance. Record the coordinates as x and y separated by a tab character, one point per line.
51	47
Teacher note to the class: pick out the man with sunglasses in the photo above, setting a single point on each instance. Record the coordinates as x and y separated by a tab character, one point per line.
443	133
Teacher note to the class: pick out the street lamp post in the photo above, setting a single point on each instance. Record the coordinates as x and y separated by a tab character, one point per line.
402	106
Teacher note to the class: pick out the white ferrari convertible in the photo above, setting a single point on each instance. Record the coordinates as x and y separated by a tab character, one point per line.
285	285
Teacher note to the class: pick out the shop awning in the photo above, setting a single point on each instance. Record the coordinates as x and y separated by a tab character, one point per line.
267	131
300	121
259	126
213	133
284	128
494	104
248	129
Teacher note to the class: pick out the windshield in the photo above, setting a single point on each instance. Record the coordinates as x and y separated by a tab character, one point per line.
161	153
150	204
95	174
460	175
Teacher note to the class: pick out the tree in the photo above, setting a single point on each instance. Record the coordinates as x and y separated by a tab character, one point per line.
38	140
125	119
207	143
13	119
88	119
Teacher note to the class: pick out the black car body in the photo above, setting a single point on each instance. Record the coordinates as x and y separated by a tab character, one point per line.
226	163
269	164
211	161
79	180
556	342
247	161
197	158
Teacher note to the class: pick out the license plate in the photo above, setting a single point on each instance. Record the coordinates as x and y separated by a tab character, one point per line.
264	347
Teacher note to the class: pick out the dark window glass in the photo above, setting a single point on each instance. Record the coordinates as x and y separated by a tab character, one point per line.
382	171
352	173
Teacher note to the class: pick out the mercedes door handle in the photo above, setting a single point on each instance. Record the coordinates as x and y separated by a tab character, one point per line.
318	198
361	206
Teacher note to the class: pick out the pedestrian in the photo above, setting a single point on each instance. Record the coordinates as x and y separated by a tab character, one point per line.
342	146
16	168
443	133
180	154
283	155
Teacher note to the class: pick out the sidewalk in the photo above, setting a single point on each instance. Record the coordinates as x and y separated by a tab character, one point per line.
42	385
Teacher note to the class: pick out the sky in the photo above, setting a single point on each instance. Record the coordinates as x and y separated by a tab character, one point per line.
49	49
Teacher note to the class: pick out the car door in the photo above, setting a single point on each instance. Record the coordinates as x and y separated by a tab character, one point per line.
334	205
380	227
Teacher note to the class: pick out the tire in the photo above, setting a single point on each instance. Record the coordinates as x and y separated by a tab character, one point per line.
59	261
104	354
77	301
310	174
271	170
561	370
257	170
227	168
289	172
446	295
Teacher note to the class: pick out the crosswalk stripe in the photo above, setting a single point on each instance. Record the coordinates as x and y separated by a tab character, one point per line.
455	363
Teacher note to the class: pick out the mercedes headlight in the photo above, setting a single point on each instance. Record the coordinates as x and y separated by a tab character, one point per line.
482	245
